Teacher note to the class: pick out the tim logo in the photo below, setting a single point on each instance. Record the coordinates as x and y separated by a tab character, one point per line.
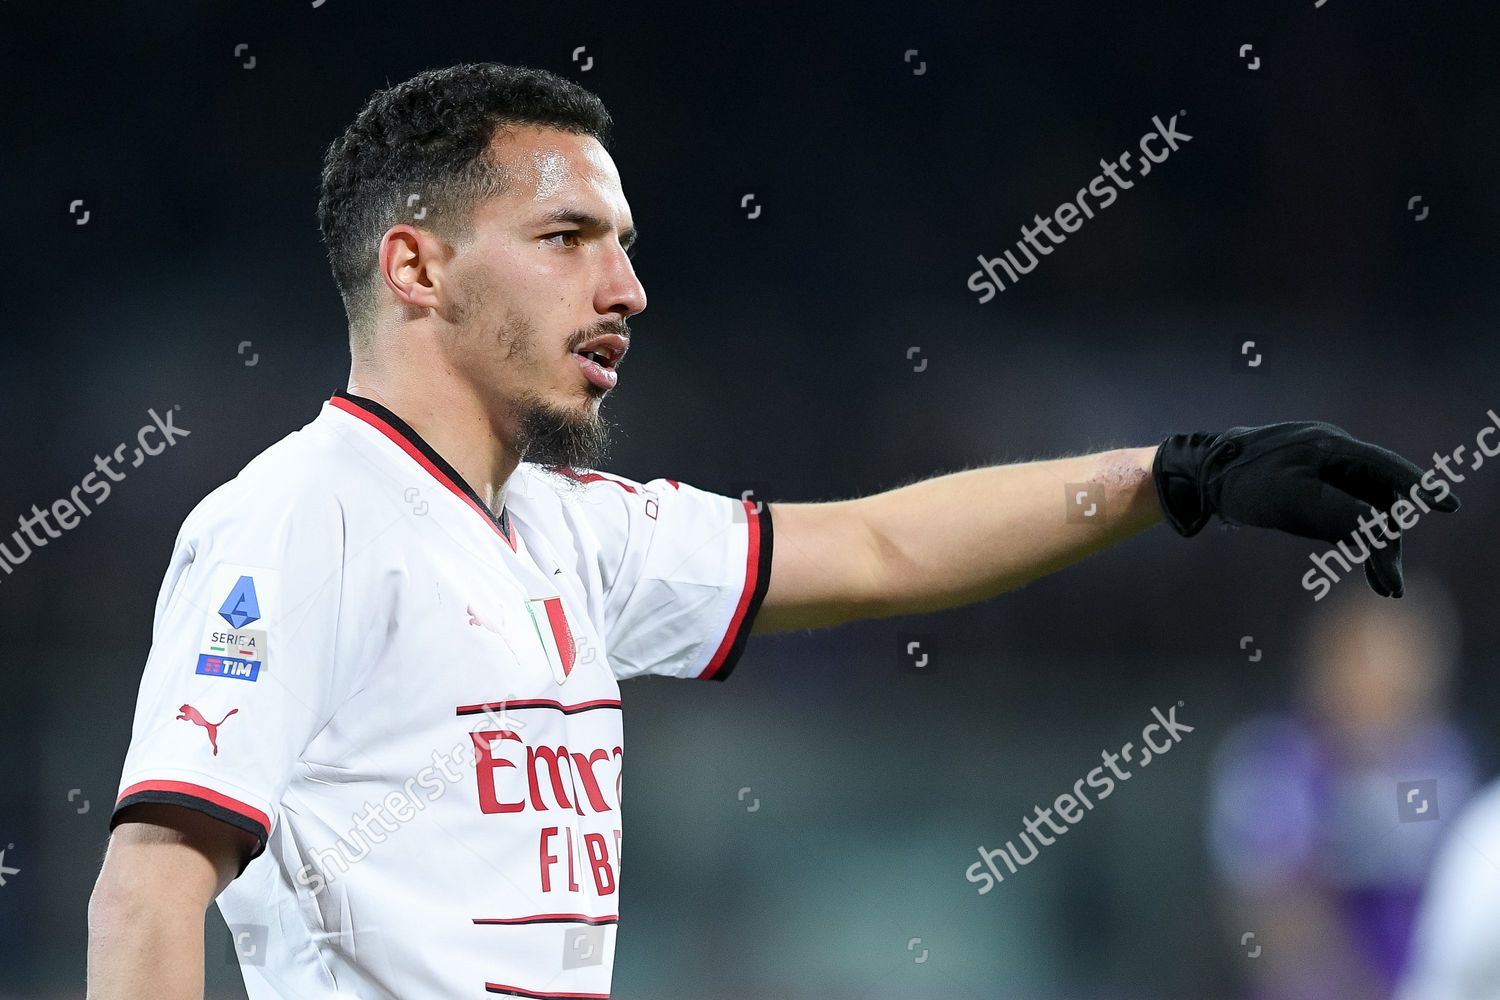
228	666
187	713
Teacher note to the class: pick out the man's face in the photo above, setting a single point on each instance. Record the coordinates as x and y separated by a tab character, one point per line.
546	275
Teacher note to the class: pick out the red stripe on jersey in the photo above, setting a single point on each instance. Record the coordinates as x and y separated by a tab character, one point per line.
552	918
516	991
593	477
500	706
401	442
752	565
199	792
557	619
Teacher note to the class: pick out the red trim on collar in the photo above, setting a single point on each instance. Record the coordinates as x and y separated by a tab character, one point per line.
415	449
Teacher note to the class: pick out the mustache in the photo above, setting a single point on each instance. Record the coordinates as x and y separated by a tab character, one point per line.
617	326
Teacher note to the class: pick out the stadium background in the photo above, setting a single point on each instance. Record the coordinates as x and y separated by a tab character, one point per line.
776	355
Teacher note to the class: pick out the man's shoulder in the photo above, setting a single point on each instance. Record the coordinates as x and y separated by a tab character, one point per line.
564	488
305	476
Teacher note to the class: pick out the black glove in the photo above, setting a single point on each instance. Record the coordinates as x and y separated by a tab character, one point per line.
1303	477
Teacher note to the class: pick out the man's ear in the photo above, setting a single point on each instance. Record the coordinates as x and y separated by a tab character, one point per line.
413	266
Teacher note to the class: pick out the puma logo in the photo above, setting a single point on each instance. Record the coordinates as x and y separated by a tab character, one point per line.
475	619
190	714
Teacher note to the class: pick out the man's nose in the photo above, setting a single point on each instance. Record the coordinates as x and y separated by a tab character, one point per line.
621	292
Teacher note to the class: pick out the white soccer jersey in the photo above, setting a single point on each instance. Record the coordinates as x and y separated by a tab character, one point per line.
414	704
1455	954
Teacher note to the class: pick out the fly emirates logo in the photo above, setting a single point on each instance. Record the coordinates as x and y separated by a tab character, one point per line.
515	777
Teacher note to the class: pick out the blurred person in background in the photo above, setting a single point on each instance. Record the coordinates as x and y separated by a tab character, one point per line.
1319	859
1455	954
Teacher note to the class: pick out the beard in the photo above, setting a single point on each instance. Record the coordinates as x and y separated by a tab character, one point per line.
559	437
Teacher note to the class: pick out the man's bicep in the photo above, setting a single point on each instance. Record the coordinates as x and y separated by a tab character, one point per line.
825	569
157	847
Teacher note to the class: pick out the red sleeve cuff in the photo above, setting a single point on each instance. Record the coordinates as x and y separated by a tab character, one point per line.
757	580
202	799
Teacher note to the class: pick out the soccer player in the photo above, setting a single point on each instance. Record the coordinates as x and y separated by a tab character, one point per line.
380	718
1320	843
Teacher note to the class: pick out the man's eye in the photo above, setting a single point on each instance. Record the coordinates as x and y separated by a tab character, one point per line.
571	234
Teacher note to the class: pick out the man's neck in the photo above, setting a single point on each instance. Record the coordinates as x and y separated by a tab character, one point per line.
457	426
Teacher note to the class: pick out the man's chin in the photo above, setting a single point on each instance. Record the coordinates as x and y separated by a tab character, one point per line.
551	435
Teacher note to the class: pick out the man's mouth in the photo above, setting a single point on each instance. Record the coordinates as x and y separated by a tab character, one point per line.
606	351
599	357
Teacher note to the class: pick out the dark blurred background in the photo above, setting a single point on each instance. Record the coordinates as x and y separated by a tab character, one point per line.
777	353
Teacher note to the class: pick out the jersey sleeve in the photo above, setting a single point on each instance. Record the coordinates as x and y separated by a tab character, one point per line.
242	668
684	572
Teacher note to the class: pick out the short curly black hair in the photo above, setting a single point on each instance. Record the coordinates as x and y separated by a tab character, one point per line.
415	153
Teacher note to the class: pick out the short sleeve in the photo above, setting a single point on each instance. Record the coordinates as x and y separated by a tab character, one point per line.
241	673
684	572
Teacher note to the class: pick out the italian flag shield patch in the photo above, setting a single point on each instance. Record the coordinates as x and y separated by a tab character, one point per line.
556	637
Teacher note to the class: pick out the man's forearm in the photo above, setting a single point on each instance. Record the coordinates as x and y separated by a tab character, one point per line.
143	948
968	536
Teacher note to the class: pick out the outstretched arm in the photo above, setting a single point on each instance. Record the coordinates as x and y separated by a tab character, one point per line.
950	540
968	536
